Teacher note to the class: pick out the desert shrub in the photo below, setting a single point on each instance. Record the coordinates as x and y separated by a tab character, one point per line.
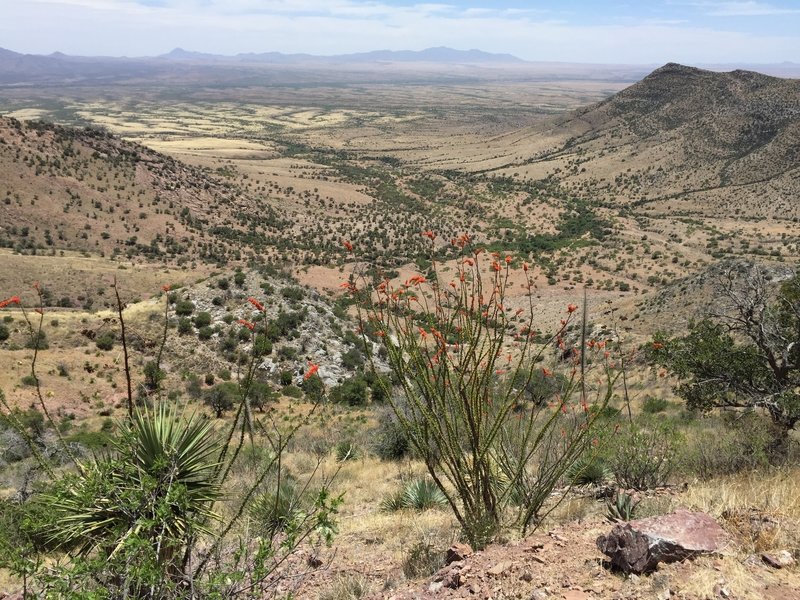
28	380
205	333
209	378
353	359
292	391
294	294
202	319
272	511
652	405
262	346
422	560
239	278
352	391
153	375
739	443
37	340
390	439
222	397
91	440
345	450
184	326
313	387
259	394
643	457
105	341
184	308
63	370
4	332
287	353
286	378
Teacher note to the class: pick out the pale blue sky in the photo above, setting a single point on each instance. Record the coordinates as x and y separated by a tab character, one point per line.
646	31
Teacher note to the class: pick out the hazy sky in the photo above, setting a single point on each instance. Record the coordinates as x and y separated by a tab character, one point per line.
632	31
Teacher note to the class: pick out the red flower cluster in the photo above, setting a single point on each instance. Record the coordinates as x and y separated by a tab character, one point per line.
256	303
12	300
248	324
312	370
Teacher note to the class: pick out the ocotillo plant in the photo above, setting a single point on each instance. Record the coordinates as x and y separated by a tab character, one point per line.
464	354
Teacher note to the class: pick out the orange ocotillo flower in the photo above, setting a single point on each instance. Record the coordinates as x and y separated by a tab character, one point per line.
256	303
348	245
12	300
312	370
248	324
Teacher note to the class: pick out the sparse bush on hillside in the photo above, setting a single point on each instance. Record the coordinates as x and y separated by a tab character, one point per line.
643	457
105	341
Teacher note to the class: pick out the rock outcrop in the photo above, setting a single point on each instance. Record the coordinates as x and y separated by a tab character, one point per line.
638	546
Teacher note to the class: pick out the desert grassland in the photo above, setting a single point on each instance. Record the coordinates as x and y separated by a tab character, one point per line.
75	273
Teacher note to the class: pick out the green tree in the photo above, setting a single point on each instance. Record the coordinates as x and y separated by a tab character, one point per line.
746	354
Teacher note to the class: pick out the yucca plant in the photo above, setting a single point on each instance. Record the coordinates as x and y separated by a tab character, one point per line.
420	493
590	470
155	491
272	511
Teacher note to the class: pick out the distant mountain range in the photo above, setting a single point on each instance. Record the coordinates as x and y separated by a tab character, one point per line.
442	63
441	54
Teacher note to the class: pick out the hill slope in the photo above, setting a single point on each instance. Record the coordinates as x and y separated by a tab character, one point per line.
701	140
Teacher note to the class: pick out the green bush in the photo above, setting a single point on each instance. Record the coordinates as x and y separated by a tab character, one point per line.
37	341
205	333
391	441
28	380
353	392
105	341
590	470
292	391
643	458
738	443
293	293
222	397
271	512
184	308
184	326
313	388
653	405
202	319
4	333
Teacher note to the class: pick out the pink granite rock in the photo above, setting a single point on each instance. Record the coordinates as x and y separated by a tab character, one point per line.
638	546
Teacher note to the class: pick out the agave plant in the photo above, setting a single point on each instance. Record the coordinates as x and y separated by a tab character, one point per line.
154	492
621	507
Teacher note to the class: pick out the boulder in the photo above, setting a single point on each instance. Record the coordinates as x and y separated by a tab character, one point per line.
638	546
457	552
